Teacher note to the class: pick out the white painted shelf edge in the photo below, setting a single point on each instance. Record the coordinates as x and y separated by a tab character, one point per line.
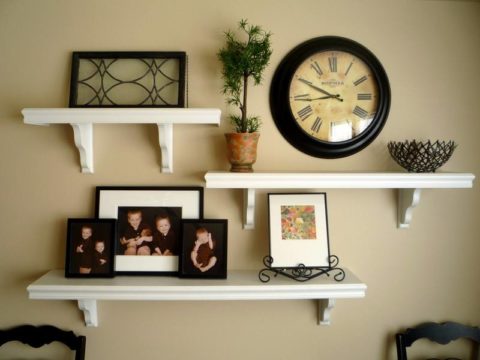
409	186
240	285
82	121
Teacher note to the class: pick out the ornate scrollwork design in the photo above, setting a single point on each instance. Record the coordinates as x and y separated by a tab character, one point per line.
100	92
128	79
301	273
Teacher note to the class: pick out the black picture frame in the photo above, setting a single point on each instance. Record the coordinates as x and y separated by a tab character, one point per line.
191	231
90	247
285	120
112	200
151	79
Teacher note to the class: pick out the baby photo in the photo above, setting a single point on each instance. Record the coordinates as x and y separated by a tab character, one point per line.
204	249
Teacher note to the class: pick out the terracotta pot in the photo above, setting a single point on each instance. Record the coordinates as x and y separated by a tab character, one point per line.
242	150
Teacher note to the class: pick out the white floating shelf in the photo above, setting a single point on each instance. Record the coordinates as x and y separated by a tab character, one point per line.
82	121
408	184
240	285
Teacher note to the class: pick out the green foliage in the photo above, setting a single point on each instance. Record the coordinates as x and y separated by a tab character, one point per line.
251	124
243	59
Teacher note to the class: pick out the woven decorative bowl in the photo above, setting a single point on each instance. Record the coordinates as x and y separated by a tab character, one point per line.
418	156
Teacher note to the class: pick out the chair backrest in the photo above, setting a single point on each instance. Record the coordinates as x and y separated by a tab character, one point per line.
37	336
439	333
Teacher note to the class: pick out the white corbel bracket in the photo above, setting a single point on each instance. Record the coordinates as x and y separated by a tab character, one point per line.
165	140
249	209
89	308
83	136
241	285
82	120
325	307
409	186
408	199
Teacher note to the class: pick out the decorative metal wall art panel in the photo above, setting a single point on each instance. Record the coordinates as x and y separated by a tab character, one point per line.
128	79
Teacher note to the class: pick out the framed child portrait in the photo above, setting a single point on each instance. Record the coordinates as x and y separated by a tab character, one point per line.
298	228
204	249
149	225
90	247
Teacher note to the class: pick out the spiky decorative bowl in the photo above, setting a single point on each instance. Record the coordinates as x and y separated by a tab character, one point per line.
418	156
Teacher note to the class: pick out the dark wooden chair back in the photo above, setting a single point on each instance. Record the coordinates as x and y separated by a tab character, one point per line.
37	336
439	333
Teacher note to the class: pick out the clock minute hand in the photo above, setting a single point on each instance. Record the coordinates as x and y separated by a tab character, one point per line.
319	89
328	97
319	98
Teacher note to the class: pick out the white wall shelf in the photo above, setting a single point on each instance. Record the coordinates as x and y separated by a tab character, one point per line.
82	121
409	186
240	285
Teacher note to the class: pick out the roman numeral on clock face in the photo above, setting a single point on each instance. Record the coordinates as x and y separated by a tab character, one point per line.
305	112
301	97
317	68
359	81
360	112
317	125
364	96
348	69
332	63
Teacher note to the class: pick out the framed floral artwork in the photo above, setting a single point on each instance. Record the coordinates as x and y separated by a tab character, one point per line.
298	228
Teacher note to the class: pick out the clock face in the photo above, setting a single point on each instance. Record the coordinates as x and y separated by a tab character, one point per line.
330	97
333	96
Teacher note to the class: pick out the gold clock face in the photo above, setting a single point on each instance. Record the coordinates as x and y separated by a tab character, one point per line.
333	96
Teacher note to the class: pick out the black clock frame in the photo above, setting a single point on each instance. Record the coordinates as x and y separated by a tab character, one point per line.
285	120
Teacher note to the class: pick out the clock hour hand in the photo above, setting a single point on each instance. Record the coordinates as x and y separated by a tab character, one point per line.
337	96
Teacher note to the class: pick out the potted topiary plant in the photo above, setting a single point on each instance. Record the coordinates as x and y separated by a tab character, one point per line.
243	59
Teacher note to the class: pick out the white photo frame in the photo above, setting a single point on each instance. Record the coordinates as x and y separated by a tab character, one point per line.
110	198
298	227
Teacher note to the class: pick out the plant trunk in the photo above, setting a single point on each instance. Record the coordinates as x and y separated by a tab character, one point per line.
244	107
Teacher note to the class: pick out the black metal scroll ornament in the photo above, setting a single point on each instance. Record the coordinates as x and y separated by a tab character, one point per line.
301	272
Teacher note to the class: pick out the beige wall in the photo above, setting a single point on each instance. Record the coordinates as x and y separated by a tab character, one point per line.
430	50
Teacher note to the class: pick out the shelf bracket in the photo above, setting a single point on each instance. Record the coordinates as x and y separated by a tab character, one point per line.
82	120
248	209
325	307
165	140
408	199
83	136
407	185
89	308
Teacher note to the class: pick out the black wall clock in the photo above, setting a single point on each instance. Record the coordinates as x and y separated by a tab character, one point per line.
330	97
